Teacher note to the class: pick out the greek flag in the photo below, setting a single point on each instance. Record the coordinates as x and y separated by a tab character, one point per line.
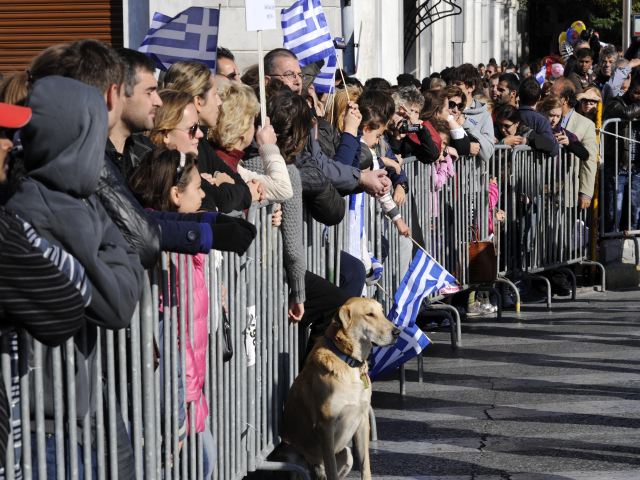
423	277
190	35
306	33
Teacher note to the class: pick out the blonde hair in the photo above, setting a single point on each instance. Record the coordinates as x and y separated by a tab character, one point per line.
193	78
335	110
594	89
13	88
237	113
169	114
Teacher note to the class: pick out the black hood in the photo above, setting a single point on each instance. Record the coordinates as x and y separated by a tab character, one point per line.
65	140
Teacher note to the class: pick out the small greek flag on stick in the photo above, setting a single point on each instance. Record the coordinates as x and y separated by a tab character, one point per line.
424	277
190	35
306	33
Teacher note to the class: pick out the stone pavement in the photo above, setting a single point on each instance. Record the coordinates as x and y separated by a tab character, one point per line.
547	395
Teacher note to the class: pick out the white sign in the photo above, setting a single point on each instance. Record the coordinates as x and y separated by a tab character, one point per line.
260	15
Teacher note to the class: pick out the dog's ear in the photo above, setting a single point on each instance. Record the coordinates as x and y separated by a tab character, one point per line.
344	316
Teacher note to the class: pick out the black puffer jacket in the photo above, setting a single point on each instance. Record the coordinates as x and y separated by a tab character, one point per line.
622	108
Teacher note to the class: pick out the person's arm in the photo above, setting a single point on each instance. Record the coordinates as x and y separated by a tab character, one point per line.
543	143
193	233
140	231
613	86
348	150
483	133
293	252
577	148
420	146
116	275
276	181
460	141
619	109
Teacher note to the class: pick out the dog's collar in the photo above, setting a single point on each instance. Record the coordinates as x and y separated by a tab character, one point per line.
348	359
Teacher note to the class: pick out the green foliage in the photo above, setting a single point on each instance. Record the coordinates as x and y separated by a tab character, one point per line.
606	17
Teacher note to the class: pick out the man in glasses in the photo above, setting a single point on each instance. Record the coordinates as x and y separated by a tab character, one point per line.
283	65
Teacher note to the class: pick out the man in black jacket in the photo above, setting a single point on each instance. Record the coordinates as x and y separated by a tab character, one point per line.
622	172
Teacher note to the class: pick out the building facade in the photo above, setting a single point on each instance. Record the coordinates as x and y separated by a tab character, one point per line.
378	30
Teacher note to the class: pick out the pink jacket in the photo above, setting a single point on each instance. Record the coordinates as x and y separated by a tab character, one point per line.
441	171
197	344
494	196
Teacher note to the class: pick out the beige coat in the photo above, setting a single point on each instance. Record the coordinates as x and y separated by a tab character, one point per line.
585	130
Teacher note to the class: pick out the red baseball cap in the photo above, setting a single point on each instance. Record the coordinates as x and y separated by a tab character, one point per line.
14	116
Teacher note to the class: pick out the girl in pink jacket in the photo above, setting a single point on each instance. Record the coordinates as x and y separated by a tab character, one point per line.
173	184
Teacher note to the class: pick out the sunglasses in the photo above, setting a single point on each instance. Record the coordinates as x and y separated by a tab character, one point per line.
506	126
589	101
192	131
453	105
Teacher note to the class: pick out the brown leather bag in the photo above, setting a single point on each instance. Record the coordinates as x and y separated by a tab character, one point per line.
483	259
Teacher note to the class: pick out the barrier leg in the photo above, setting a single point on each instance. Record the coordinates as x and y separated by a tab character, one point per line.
456	329
420	362
603	275
548	285
373	425
512	286
574	283
402	380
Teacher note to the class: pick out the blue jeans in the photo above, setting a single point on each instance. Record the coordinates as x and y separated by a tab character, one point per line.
619	199
50	448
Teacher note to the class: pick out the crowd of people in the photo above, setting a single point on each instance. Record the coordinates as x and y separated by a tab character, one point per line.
108	166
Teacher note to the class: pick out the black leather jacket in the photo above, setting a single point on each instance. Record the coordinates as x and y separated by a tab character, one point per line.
138	229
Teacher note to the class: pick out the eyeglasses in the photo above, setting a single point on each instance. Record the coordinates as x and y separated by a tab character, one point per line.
290	75
192	130
454	105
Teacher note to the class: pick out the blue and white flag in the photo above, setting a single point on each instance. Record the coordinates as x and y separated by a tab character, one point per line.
424	277
190	35
306	33
356	224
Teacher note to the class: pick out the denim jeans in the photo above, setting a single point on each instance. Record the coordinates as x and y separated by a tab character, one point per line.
50	448
619	199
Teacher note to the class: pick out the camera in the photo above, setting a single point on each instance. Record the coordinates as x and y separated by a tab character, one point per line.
339	43
406	127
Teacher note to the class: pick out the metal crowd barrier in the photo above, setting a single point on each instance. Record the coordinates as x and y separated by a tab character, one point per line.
619	179
137	384
544	228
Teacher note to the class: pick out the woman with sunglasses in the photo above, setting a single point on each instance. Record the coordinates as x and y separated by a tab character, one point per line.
196	80
588	102
436	111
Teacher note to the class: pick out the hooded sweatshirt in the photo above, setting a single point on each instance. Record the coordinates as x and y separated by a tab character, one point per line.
64	154
478	124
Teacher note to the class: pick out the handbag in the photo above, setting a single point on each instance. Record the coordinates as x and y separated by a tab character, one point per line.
483	259
227	343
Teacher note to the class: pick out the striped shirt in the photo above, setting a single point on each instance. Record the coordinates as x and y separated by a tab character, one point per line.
44	290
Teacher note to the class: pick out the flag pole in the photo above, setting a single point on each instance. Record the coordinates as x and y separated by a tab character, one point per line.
263	96
377	284
345	86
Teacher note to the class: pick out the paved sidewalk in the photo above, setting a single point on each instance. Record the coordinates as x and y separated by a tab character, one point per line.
548	395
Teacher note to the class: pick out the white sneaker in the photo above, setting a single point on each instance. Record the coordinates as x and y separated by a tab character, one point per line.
476	309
